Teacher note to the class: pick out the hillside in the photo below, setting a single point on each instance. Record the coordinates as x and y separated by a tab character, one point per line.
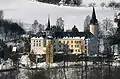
27	11
10	30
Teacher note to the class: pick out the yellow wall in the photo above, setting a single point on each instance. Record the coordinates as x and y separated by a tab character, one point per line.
49	51
77	45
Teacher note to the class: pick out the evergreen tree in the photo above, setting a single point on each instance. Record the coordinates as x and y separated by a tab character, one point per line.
112	4
75	29
10	30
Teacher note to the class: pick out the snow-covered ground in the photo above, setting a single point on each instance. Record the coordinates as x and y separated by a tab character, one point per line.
71	73
27	11
98	1
8	64
26	62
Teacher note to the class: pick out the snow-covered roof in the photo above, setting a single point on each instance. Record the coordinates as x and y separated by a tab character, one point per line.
59	52
116	54
49	37
36	38
72	38
82	38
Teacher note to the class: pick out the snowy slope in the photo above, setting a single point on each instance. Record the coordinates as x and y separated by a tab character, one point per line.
28	11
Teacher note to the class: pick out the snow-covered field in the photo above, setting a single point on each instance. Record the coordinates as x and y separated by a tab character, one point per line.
27	11
98	1
55	73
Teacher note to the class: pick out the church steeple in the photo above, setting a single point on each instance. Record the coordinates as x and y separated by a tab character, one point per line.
48	25
93	19
94	26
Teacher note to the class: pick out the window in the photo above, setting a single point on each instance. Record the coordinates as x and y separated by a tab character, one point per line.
75	41
79	41
39	44
64	42
75	50
71	45
59	41
67	42
71	50
85	47
78	50
59	46
34	44
34	40
77	45
71	41
54	50
37	41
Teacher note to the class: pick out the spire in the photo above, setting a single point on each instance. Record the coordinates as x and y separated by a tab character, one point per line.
48	25
93	19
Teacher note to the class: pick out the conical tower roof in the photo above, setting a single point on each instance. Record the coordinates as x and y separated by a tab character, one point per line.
93	19
48	25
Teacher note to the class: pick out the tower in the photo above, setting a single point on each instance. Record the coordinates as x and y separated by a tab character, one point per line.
94	24
48	29
93	41
49	50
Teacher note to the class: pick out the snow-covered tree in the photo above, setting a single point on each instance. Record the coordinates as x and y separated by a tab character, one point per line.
60	23
112	4
71	2
107	27
107	30
117	5
107	24
77	2
86	23
62	2
41	28
103	4
37	27
1	14
92	4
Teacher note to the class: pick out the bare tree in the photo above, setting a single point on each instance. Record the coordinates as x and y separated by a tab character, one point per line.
102	4
106	31
86	23
107	24
1	14
91	4
60	24
112	4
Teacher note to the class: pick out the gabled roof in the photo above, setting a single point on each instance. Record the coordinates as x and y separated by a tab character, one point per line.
72	34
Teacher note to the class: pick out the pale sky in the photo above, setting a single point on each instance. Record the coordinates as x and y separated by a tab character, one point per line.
27	11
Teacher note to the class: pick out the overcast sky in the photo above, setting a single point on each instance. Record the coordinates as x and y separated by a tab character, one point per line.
85	1
27	11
